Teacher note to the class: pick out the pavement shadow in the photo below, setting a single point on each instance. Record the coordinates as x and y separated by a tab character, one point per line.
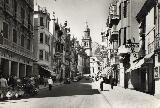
105	90
82	87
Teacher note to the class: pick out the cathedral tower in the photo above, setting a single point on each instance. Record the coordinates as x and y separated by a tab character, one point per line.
87	41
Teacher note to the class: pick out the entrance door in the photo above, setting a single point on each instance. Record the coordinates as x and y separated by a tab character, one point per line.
143	80
4	67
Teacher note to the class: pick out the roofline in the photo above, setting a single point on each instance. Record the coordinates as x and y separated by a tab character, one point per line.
148	5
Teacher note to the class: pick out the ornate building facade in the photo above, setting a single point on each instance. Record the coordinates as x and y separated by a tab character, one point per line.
16	37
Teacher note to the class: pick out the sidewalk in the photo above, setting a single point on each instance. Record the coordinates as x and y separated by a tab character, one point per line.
119	97
54	84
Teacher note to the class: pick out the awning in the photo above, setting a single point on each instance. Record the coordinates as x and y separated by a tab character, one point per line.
149	55
139	63
51	72
132	67
144	60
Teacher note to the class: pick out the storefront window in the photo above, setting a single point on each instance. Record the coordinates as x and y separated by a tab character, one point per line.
41	54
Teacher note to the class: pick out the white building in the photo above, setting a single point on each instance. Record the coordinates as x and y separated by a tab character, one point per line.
43	40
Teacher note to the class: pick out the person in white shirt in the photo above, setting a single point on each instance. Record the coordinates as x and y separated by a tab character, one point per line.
50	83
3	86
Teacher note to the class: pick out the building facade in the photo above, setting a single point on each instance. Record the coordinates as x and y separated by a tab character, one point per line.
133	29
147	18
42	41
16	37
112	39
157	46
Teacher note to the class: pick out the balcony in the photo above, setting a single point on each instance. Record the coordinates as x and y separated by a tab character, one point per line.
113	53
123	50
115	61
9	45
114	33
59	48
113	20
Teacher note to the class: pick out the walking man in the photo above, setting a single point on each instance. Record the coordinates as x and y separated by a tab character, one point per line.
50	83
111	81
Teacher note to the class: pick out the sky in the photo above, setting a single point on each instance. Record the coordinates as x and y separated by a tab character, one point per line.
77	12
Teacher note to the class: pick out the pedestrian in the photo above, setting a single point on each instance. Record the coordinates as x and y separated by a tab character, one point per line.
3	85
50	83
111	81
45	81
37	82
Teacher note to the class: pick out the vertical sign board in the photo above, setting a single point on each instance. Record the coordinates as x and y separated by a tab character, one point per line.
156	72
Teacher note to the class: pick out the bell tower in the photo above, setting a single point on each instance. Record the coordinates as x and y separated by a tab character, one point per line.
87	41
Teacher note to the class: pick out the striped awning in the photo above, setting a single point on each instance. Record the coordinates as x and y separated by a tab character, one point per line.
51	72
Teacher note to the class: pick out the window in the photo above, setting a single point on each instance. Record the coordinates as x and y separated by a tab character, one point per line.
125	35
5	30
22	40
158	57
125	9
120	11
22	13
41	21
28	44
85	44
41	54
14	36
41	37
48	25
155	16
119	37
46	56
46	39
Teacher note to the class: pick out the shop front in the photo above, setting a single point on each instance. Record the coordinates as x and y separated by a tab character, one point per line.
141	75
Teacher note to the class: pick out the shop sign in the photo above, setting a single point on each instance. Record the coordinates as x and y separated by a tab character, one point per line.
156	72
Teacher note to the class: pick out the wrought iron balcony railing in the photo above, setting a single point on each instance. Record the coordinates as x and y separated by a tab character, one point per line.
113	19
114	33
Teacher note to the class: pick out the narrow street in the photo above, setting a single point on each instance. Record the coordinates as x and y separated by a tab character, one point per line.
74	95
84	94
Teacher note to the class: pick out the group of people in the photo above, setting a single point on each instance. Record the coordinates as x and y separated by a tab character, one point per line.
14	83
110	81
